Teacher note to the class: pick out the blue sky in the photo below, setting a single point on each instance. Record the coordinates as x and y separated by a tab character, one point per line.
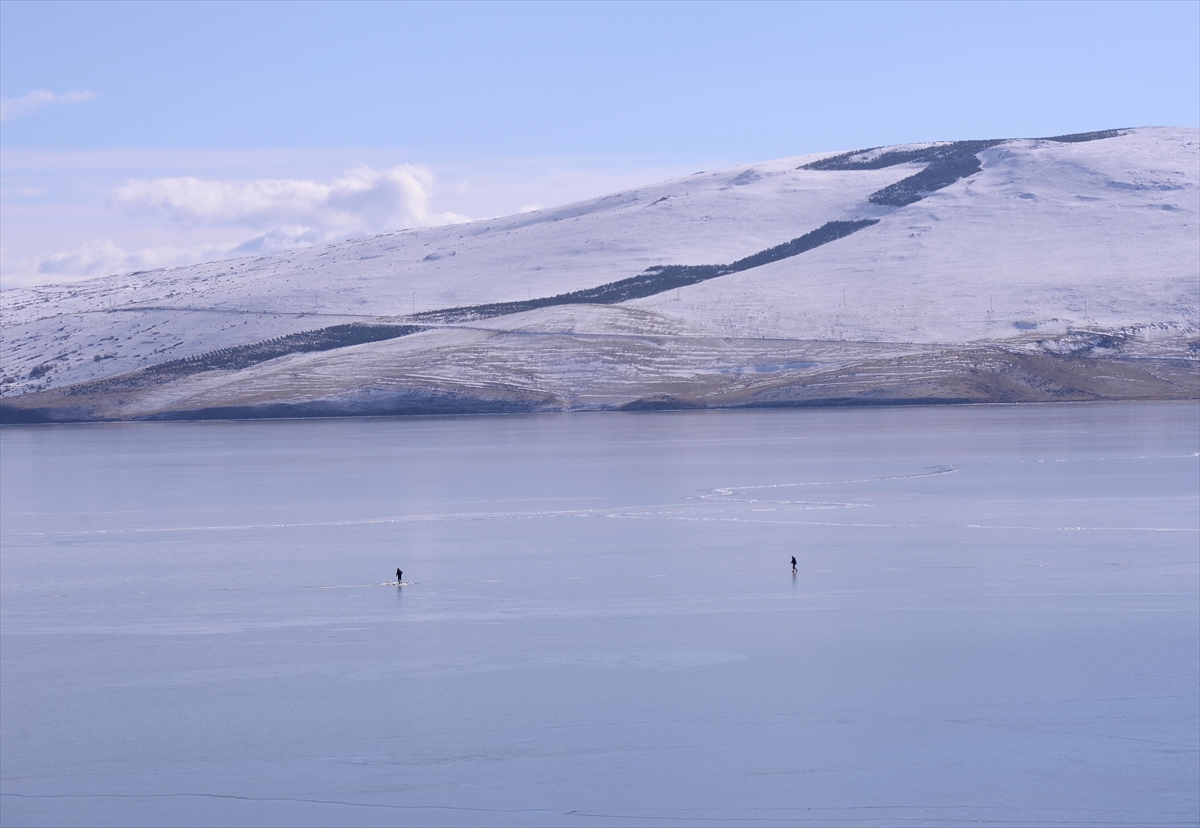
463	110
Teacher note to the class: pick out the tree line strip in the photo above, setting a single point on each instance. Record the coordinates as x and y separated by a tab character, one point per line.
652	281
237	357
945	164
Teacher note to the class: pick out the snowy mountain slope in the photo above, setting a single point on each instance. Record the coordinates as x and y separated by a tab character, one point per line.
475	369
144	317
977	271
1099	234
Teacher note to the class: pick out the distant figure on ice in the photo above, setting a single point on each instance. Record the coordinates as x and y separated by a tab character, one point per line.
399	576
793	565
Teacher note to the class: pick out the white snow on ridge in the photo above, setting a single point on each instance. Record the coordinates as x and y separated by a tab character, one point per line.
1049	237
700	219
706	218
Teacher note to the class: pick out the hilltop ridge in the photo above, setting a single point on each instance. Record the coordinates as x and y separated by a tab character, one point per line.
965	271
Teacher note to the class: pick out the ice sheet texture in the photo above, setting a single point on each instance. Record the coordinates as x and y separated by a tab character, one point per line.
995	619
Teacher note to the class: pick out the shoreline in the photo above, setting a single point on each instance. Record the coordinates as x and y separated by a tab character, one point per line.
817	405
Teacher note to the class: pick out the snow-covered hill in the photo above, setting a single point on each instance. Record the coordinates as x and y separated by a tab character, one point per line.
1061	268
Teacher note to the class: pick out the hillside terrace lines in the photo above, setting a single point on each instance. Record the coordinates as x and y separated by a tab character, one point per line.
229	311
453	370
654	281
996	240
373	297
651	282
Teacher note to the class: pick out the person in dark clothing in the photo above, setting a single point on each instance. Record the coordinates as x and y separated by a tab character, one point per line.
399	576
793	564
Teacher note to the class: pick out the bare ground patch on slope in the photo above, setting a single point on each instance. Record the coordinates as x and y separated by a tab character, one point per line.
981	375
989	375
653	281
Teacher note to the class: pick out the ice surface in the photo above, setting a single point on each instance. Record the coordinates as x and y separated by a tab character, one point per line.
996	619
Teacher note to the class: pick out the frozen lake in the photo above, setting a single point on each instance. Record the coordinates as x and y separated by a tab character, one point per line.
996	619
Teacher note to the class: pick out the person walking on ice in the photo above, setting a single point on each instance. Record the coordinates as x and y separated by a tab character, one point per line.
399	576
793	565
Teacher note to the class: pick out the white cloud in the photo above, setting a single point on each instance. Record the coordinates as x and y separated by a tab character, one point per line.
37	99
23	192
103	258
252	202
282	213
287	212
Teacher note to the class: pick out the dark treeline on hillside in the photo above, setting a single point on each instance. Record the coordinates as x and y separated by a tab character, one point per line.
654	280
237	357
947	163
321	339
1081	137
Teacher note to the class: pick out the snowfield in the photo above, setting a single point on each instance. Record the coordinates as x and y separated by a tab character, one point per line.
1062	269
